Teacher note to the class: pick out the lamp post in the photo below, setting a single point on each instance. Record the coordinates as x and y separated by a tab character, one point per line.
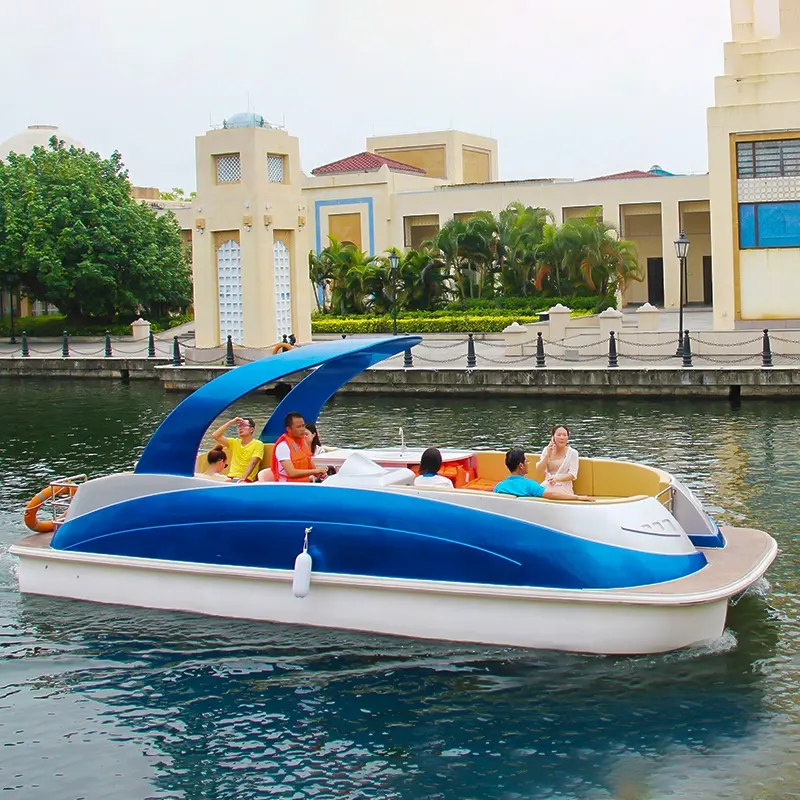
681	250
394	262
13	339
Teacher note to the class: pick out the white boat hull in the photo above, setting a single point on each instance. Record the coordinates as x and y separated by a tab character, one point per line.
641	620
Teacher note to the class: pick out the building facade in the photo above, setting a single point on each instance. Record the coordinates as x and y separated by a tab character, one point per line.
742	218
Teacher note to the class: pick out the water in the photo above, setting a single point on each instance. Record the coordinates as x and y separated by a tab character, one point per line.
99	702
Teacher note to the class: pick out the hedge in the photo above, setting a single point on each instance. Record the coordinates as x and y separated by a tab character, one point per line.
461	323
594	303
55	324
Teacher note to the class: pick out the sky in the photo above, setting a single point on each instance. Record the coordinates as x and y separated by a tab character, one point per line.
569	88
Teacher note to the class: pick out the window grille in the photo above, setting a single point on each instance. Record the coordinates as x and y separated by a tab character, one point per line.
229	169
283	290
770	159
275	169
229	278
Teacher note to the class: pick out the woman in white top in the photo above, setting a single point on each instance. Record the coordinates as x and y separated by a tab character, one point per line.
559	461
429	465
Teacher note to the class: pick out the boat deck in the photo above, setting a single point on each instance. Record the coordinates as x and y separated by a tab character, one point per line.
749	552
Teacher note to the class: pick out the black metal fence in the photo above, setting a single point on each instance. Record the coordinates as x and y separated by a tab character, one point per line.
473	353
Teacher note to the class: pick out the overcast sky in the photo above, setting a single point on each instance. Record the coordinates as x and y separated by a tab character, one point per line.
569	88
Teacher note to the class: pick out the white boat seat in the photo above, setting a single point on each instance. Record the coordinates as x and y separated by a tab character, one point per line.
358	470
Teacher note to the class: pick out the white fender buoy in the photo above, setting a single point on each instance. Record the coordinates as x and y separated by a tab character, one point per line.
301	582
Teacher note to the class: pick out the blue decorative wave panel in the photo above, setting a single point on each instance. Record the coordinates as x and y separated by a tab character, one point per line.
361	532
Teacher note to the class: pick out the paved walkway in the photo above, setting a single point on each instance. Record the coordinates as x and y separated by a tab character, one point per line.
451	352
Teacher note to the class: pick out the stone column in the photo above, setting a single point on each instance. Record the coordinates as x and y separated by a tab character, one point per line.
670	230
647	317
559	317
140	328
515	335
610	320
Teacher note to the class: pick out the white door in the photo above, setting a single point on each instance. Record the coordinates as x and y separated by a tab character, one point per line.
229	278
283	290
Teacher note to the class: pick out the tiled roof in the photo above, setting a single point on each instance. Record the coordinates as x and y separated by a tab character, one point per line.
633	173
365	162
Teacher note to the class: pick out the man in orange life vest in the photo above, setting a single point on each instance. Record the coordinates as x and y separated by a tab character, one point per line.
291	456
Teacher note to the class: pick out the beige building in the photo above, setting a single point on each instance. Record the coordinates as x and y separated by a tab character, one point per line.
742	219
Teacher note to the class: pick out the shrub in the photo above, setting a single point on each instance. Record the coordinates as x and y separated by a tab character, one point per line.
55	324
453	323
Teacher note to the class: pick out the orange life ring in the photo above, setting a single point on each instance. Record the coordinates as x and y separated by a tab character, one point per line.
280	347
36	502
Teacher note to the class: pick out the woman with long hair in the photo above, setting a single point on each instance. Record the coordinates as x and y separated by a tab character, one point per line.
559	461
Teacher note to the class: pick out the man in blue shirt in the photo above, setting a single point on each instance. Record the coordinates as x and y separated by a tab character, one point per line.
518	485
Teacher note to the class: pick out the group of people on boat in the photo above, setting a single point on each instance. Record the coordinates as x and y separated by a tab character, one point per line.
292	456
293	461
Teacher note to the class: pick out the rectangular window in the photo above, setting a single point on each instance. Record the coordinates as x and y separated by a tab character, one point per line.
419	228
229	168
771	159
747	226
764	225
275	169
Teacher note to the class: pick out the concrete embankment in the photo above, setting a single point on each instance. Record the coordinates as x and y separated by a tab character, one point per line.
83	367
661	381
730	382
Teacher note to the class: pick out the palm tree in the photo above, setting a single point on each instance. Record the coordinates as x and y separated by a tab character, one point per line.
603	261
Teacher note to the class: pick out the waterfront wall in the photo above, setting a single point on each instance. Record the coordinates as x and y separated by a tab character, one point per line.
82	367
728	382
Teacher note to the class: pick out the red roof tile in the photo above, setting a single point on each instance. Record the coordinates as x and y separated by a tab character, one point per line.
365	162
624	176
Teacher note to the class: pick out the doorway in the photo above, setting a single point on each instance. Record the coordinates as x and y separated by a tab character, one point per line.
708	282
655	281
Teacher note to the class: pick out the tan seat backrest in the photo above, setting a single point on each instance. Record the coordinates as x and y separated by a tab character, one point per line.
491	465
620	479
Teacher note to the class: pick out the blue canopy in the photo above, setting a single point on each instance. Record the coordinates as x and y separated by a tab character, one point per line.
172	450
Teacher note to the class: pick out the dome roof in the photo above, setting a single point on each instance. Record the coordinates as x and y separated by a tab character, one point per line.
35	136
246	119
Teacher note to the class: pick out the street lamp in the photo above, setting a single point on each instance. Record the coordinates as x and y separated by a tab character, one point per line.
394	263
13	339
682	251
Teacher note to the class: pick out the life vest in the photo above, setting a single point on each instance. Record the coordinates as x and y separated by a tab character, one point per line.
301	458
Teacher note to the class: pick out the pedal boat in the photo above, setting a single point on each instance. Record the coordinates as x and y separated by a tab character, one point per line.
642	570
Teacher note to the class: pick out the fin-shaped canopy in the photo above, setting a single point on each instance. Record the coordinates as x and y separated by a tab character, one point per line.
172	450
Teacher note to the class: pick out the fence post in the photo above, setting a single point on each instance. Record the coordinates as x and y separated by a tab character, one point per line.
229	362
471	351
151	345
687	349
108	352
26	353
64	345
176	352
766	350
613	361
540	359
408	359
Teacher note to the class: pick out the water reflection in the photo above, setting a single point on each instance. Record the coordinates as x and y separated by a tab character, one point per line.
123	702
346	713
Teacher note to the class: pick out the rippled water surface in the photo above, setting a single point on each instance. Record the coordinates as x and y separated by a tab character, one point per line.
100	702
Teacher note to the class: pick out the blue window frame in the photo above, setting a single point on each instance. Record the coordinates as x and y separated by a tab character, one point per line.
769	225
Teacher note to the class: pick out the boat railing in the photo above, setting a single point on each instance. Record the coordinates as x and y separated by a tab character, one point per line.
669	491
62	492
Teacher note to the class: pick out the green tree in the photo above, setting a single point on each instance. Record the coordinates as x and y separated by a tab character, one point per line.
71	235
176	193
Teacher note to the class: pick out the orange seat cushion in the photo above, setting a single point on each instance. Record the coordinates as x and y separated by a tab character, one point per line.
481	484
